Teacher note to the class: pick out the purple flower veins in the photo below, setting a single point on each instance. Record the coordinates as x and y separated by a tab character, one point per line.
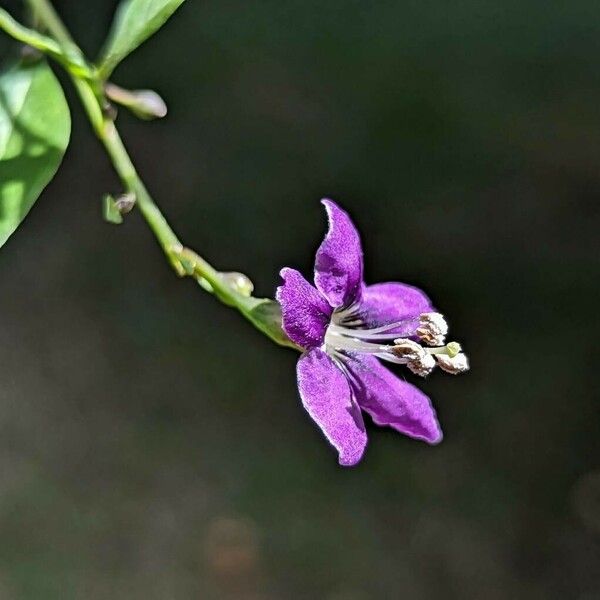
345	328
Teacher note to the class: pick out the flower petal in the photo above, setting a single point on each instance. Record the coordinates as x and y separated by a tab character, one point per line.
339	262
384	303
326	396
305	313
391	401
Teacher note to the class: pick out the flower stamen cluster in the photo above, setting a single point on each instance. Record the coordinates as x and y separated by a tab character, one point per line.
346	333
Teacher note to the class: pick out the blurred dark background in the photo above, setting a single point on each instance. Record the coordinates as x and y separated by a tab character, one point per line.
152	444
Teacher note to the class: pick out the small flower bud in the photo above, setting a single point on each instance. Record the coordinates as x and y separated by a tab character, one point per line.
239	282
148	105
145	104
125	202
29	53
432	329
422	366
454	365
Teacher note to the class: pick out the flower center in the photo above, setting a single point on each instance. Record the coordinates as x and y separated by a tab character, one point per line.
403	342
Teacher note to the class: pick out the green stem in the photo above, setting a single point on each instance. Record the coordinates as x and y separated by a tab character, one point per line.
121	161
29	36
69	54
263	313
91	93
49	17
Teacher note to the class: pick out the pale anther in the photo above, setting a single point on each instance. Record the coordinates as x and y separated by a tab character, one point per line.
407	349
453	364
422	366
432	328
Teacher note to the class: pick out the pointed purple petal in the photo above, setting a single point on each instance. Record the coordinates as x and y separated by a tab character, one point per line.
326	396
339	263
305	313
391	401
384	303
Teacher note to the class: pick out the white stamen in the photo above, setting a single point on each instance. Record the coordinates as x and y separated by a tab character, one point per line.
432	329
347	335
418	360
423	366
407	349
376	333
453	364
335	339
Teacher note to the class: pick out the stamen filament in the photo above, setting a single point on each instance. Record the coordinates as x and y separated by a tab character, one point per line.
345	337
339	341
438	350
391	358
377	333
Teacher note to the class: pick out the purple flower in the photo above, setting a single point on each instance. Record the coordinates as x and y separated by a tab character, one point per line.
345	328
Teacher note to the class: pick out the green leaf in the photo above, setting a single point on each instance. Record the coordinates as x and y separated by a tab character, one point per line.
35	126
135	21
110	210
